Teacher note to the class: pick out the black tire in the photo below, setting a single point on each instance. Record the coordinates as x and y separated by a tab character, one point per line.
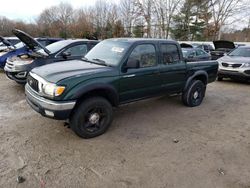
194	94
82	122
219	78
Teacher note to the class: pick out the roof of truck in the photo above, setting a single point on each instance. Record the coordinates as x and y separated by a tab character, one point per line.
131	40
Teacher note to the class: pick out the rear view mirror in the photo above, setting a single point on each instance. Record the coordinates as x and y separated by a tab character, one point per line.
66	54
133	64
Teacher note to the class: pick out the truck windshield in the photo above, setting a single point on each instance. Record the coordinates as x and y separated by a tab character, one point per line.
243	52
110	52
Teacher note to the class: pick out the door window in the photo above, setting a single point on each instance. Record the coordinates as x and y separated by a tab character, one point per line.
145	54
79	50
170	54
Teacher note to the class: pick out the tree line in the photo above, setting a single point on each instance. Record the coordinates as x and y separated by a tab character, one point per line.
177	19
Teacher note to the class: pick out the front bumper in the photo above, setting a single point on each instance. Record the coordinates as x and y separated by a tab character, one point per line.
49	108
17	73
234	73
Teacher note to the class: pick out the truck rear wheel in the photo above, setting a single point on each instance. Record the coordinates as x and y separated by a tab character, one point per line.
92	117
194	94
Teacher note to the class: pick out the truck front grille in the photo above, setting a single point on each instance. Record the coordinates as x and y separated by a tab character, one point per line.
33	83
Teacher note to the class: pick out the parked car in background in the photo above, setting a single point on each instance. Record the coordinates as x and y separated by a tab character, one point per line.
21	48
236	64
114	72
10	40
222	47
18	67
206	47
195	54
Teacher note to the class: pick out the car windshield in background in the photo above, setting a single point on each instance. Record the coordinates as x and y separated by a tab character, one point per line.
54	47
110	52
242	52
19	45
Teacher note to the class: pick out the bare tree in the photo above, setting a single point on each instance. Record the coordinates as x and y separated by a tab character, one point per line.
56	20
127	14
222	11
145	9
165	11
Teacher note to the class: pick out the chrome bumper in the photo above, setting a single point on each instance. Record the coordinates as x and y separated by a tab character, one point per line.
47	104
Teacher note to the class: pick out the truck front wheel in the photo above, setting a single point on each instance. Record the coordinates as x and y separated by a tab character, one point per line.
194	94
92	117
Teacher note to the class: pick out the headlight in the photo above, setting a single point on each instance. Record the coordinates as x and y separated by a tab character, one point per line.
246	65
52	89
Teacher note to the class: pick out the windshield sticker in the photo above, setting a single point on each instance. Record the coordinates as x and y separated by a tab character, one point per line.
117	49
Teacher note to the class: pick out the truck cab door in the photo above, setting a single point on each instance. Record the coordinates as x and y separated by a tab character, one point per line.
142	81
173	68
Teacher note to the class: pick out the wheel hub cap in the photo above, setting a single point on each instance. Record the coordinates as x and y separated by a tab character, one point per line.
196	94
94	118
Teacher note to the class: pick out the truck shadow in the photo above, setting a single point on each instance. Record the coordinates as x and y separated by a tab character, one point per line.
242	82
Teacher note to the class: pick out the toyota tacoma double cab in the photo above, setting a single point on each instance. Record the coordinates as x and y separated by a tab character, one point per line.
114	72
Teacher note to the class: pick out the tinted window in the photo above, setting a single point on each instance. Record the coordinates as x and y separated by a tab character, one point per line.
145	54
170	53
78	50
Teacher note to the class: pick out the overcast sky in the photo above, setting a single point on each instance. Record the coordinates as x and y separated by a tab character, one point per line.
27	10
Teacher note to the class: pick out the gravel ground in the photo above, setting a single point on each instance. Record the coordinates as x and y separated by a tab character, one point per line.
152	143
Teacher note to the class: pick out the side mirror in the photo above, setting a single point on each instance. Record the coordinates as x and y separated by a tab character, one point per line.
132	64
65	55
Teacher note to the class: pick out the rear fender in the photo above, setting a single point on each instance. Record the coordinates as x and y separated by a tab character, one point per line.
199	75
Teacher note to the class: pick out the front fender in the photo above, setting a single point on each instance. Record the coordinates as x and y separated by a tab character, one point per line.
107	88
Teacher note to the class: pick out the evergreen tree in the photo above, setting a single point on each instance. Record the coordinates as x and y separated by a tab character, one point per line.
190	23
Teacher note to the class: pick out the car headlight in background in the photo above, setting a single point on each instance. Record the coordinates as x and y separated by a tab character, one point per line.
52	90
246	65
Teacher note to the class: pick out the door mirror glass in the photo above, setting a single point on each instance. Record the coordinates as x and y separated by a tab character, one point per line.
133	64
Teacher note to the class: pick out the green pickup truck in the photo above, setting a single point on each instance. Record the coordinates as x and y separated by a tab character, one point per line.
114	72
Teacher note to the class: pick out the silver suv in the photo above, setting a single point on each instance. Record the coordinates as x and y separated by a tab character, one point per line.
235	65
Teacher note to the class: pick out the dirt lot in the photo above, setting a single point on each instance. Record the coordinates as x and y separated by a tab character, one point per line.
138	150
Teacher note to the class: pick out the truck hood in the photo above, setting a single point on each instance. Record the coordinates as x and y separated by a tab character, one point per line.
6	42
234	59
58	71
29	41
223	44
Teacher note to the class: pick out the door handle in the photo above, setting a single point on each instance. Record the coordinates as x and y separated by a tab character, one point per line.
129	76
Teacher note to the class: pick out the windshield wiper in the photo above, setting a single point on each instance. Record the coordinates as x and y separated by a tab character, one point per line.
87	60
100	62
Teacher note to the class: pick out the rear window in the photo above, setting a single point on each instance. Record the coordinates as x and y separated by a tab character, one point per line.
170	53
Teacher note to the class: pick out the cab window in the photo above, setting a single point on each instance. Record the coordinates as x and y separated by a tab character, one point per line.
145	54
170	54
